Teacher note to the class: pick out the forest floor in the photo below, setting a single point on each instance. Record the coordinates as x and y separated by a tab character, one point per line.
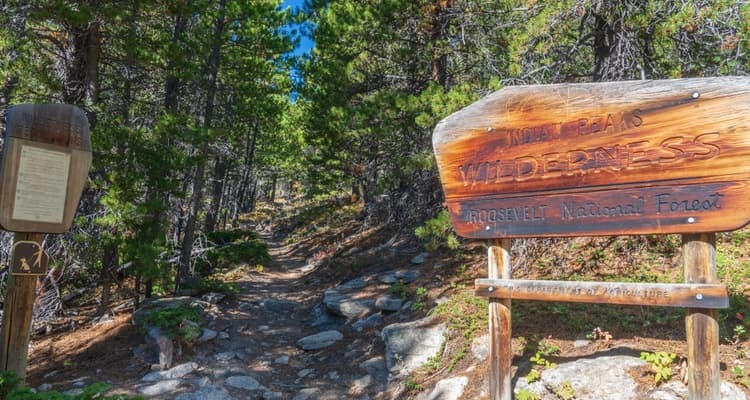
262	337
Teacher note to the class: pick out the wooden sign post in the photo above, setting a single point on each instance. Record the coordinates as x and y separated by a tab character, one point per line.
620	158
45	162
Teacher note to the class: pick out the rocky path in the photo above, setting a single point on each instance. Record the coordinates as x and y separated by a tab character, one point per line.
274	341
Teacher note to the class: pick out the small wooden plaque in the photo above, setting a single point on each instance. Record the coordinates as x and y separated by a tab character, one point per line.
615	158
29	259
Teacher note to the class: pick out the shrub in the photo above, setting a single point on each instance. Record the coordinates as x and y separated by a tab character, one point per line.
11	389
438	233
169	319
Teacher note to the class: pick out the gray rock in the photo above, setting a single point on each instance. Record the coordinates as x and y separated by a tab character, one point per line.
283	307
307	393
213	297
389	302
284	360
223	335
408	345
44	387
446	389
225	356
334	375
173	373
403	275
269	395
208	335
160	387
164	347
377	370
245	306
190	331
209	392
305	372
674	390
324	320
243	382
349	304
320	340
602	378
419	258
372	321
581	343
480	347
306	268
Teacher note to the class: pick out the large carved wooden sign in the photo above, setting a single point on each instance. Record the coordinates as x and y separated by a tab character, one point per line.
636	157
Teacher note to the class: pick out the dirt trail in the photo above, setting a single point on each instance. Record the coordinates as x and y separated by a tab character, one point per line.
258	331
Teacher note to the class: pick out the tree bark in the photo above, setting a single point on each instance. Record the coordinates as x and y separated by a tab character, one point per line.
110	259
199	179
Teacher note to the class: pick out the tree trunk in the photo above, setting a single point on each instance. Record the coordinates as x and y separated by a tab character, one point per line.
110	257
217	190
199	180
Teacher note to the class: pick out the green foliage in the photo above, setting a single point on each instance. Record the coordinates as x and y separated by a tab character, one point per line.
533	376
526	394
565	391
208	285
11	389
399	288
231	236
438	233
233	253
464	312
170	319
542	351
661	364
420	299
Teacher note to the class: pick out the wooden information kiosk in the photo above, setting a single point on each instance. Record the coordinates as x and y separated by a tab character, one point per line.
45	163
619	158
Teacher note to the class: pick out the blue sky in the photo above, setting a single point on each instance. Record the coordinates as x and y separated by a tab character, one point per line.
305	43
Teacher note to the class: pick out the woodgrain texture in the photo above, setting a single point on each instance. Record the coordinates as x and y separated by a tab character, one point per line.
63	129
701	325
501	353
646	294
17	312
615	158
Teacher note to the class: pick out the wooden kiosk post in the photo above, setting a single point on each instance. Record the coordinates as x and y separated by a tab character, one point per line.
45	162
619	158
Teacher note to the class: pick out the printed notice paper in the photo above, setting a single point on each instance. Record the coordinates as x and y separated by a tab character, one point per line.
42	185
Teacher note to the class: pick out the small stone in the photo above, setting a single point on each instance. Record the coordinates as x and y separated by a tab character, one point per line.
281	306
51	374
372	321
160	387
269	395
480	347
581	343
334	375
44	387
419	258
403	275
389	302
225	356
447	389
213	297
208	335
243	382
176	372
209	392
307	393
264	328
282	360
245	306
223	335
73	392
305	372
320	340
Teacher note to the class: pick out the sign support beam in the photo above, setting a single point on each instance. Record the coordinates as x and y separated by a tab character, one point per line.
701	325
17	313
501	354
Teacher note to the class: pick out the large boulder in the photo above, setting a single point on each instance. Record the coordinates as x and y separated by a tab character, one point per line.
320	340
446	389
408	345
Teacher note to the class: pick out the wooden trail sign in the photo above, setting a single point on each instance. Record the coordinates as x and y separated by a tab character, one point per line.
617	158
45	163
